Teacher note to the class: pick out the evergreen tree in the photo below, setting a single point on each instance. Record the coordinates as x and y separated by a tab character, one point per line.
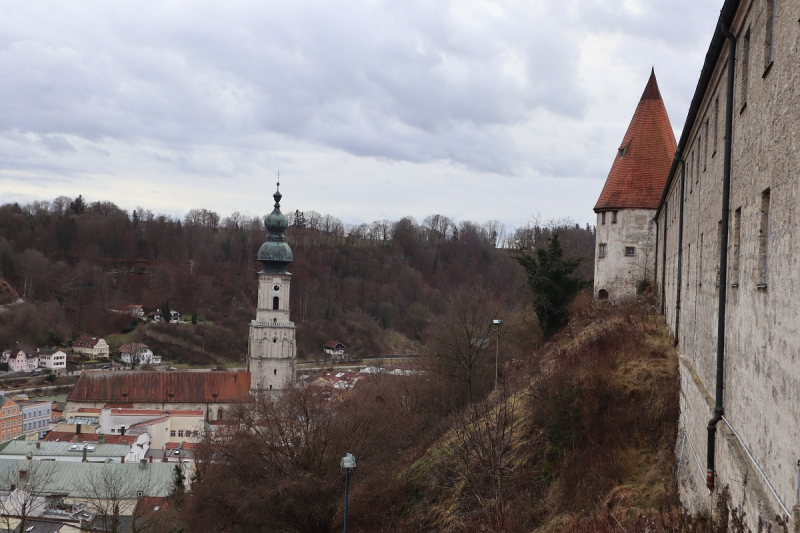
78	205
552	284
165	311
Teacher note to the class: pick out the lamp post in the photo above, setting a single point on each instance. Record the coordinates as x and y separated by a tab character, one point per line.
347	464
496	323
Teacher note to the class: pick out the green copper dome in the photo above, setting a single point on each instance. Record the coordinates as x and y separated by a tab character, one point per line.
275	254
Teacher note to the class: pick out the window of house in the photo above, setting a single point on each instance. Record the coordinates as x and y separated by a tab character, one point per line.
275	372
763	241
602	250
603	218
275	303
613	217
745	69
716	125
769	39
630	251
180	433
172	433
737	242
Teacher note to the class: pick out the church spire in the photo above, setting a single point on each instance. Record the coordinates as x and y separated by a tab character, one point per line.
275	254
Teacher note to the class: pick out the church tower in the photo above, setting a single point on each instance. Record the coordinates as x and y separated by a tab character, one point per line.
625	255
271	358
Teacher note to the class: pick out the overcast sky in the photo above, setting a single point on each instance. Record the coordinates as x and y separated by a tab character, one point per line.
369	109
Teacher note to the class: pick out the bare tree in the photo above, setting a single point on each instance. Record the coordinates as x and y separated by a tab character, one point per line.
27	484
481	457
460	342
113	492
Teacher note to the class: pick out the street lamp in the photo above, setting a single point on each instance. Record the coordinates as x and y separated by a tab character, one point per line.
496	323
347	464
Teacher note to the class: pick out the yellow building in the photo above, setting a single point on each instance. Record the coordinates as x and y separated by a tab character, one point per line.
10	419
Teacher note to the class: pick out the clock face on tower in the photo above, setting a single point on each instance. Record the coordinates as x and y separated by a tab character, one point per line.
276	287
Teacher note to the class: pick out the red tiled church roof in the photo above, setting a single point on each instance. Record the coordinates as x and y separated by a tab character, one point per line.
167	387
640	170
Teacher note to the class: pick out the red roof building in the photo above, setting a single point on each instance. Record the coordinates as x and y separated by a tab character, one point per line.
625	236
644	157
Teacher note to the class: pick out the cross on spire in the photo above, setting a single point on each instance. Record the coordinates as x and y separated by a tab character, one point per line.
279	180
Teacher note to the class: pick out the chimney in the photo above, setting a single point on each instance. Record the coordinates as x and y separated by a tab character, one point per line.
101	439
143	463
151	458
122	430
23	474
77	429
38	445
84	454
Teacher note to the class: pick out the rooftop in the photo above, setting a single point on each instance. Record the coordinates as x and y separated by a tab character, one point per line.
644	157
68	436
162	387
64	449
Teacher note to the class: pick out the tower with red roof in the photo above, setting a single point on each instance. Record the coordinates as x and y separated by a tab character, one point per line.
625	241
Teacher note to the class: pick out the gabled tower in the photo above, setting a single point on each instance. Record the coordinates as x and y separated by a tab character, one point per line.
625	254
271	359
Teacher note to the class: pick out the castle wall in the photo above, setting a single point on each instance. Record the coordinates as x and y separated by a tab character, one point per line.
762	361
617	273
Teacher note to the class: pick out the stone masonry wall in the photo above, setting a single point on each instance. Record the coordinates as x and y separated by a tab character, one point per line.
762	338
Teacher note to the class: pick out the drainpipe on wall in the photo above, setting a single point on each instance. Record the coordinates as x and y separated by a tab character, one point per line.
664	264
719	410
680	256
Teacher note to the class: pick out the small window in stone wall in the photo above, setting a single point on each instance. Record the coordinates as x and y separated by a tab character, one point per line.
630	251
603	218
613	217
602	250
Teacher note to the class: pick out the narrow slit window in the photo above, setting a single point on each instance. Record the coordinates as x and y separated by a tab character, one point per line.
613	217
769	39
601	250
763	241
603	218
276	301
737	243
716	124
705	149
745	68
700	263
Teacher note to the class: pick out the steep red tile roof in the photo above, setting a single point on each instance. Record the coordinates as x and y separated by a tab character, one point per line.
644	157
167	387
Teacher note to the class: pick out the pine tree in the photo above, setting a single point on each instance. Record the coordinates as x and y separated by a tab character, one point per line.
552	284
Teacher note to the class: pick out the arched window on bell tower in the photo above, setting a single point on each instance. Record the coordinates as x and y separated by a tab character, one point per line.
276	303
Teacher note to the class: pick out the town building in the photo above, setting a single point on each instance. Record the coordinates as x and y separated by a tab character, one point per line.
135	310
10	419
55	360
334	348
272	351
136	353
21	358
93	347
36	417
728	222
625	238
71	452
213	393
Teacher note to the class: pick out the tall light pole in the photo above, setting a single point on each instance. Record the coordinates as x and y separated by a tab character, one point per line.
347	464
496	323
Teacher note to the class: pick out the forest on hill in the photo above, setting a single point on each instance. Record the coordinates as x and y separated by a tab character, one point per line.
375	287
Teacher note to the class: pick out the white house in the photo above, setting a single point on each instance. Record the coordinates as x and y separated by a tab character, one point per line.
136	353
136	310
334	348
55	360
20	358
36	417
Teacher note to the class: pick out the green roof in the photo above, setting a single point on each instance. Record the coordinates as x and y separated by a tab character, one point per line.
65	449
87	480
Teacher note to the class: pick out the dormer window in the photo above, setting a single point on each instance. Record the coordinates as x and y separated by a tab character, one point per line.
622	150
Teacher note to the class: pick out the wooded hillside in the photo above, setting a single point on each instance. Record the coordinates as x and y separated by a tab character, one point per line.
375	287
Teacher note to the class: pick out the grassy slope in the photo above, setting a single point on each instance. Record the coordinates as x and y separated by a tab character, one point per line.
593	435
